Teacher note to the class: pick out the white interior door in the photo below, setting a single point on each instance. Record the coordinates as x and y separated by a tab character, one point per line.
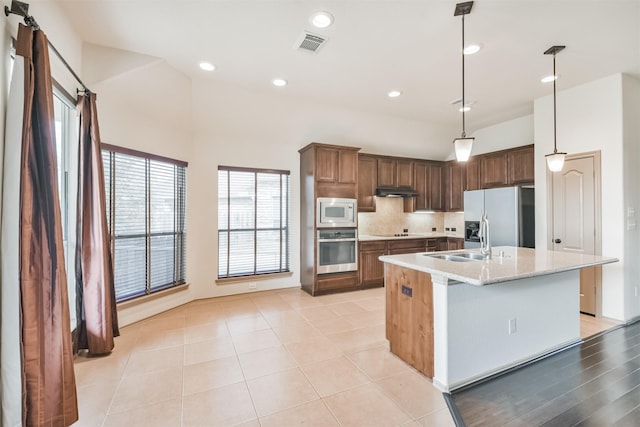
575	225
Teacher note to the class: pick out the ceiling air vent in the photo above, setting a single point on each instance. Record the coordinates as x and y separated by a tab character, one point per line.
310	42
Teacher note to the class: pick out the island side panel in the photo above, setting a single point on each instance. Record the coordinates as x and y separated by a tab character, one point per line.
409	316
478	342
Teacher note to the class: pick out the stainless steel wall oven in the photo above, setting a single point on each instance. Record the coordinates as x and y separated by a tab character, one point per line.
337	250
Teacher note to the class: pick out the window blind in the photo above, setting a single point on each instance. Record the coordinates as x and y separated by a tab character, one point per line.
253	221
146	204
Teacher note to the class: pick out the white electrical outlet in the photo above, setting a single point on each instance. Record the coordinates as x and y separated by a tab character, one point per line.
512	326
252	286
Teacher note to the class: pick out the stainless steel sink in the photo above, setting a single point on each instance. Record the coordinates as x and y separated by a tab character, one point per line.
459	256
472	255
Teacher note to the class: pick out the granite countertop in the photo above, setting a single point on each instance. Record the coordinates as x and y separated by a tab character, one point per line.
369	237
515	263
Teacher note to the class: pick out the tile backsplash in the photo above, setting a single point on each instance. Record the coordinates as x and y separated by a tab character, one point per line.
389	218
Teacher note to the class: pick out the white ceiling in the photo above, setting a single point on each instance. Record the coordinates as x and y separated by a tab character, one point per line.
375	46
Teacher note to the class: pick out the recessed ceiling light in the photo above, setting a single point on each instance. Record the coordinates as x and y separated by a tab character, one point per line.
279	82
321	19
472	48
548	79
394	94
207	66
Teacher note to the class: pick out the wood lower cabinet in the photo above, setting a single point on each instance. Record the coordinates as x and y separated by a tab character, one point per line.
409	317
406	246
370	268
450	243
455	243
328	283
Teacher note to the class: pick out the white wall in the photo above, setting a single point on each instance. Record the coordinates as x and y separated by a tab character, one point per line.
149	109
156	109
509	134
236	126
589	118
631	142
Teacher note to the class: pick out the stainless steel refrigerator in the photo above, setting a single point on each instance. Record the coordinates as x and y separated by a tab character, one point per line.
511	215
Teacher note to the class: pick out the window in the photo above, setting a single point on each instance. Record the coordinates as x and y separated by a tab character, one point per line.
66	135
146	197
253	221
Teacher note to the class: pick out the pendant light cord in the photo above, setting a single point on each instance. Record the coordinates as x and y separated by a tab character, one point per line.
464	134
555	77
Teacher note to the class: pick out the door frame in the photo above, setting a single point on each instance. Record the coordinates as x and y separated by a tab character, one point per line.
597	199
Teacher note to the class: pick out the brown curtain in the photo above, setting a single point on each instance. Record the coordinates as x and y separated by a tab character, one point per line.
48	382
95	292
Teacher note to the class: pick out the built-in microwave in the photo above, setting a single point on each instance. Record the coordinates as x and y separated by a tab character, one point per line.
335	212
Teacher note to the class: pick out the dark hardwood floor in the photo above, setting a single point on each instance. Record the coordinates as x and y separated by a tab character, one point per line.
596	383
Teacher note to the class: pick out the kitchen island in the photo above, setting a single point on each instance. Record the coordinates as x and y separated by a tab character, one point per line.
460	321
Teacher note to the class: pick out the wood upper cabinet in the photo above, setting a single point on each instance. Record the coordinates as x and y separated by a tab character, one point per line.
521	165
334	170
501	168
427	181
472	174
395	172
421	185
436	196
367	181
326	164
386	172
454	186
336	165
404	173
494	170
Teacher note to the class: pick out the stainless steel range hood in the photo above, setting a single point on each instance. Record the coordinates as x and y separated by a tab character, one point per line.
396	192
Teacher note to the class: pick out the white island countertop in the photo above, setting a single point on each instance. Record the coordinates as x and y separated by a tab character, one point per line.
515	263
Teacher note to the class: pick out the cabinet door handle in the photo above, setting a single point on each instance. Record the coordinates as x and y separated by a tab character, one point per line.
557	241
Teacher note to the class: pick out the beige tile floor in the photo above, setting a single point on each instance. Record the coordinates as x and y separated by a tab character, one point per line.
279	358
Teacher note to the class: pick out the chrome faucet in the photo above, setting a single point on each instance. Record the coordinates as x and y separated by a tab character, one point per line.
485	236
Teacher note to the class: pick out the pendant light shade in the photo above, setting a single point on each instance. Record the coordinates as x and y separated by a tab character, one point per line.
463	148
463	144
555	160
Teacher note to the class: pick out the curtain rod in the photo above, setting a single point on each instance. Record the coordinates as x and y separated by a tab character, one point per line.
22	9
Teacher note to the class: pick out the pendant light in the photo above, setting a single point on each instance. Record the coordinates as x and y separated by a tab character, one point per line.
463	144
555	160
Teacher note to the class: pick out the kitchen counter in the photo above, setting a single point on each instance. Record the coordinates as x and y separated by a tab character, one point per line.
370	237
508	263
460	322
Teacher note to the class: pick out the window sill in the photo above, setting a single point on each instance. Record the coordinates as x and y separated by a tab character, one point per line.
240	279
146	298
